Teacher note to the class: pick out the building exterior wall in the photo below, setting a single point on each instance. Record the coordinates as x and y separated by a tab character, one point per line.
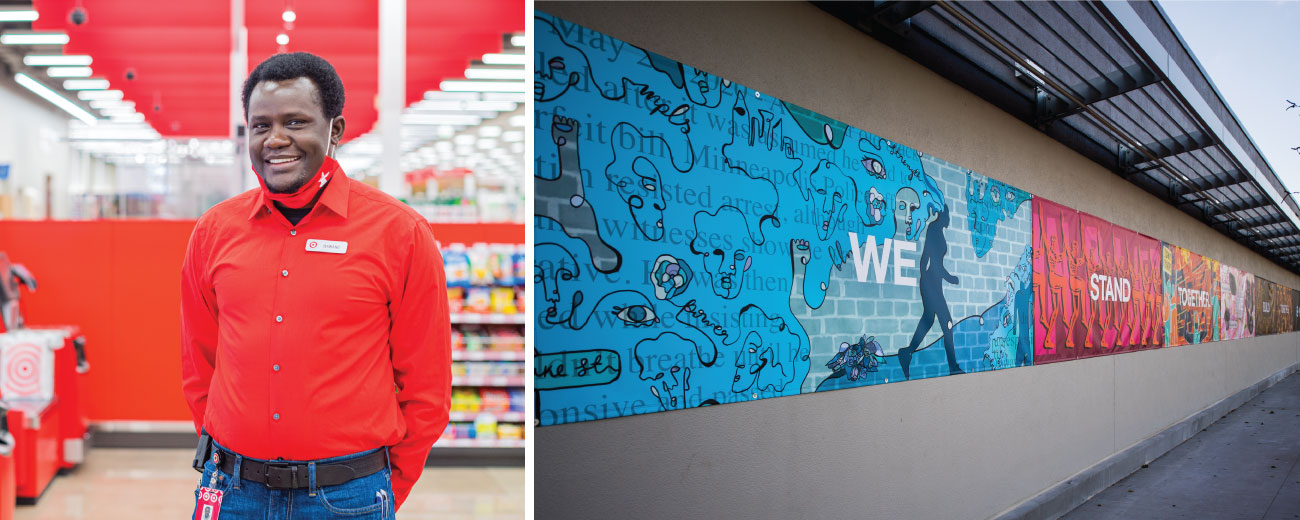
967	446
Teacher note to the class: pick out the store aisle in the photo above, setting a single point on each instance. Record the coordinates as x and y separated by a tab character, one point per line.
117	484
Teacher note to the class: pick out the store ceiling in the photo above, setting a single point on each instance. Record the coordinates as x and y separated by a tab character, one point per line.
180	51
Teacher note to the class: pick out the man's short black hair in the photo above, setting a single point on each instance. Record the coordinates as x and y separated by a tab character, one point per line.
294	65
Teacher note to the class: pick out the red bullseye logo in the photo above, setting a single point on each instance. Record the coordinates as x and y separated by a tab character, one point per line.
312	244
22	370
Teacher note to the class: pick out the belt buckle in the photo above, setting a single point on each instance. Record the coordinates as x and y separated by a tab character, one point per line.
281	475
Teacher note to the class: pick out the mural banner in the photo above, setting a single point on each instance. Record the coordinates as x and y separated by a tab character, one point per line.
1265	315
1237	298
700	243
1295	310
1282	304
1096	286
1191	297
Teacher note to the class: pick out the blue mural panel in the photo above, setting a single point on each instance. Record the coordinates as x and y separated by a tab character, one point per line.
699	243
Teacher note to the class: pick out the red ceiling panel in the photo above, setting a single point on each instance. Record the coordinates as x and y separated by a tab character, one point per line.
180	51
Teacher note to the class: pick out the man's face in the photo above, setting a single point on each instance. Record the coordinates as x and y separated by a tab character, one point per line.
288	133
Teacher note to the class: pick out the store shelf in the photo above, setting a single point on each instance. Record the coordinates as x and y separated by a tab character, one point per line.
487	381
510	417
469	318
487	355
479	443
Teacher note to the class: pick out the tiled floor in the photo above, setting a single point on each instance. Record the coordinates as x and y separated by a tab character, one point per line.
119	484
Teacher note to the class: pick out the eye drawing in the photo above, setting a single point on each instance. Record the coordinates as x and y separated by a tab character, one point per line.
636	315
556	63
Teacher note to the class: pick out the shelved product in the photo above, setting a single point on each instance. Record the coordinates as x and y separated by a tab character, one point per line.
485	295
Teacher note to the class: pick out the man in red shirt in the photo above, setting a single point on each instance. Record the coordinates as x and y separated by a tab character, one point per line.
315	339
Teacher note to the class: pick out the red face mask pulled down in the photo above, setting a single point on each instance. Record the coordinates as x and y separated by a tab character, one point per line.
307	193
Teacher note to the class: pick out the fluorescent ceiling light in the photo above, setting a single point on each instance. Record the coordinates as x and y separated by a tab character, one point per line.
517	40
69	72
463	106
99	94
445	119
111	103
34	38
85	84
516	58
53	97
482	73
128	118
18	15
489	131
117	111
455	85
57	60
435	95
517	121
512	136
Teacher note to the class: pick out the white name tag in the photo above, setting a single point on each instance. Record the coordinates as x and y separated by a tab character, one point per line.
327	246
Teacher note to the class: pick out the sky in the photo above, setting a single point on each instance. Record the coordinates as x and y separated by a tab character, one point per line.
1251	52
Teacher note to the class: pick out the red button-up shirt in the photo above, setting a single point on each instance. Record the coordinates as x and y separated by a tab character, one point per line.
322	339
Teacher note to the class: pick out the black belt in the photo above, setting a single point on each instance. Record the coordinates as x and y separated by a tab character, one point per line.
285	475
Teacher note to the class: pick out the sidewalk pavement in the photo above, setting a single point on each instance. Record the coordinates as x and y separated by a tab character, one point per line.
1244	466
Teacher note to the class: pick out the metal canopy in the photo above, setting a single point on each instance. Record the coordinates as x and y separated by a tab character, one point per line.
1078	73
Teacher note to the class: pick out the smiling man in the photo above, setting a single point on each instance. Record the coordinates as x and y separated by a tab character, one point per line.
315	341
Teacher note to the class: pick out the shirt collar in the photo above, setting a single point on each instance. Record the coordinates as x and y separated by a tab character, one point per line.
334	197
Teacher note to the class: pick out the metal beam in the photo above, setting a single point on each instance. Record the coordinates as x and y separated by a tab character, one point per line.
1262	221
1111	84
1234	206
1176	145
1281	233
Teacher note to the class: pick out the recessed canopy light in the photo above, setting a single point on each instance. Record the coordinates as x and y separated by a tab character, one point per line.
282	39
289	16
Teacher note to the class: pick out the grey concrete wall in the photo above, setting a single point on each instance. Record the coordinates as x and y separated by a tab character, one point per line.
967	446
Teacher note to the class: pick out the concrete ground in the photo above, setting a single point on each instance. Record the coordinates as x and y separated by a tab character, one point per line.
1245	465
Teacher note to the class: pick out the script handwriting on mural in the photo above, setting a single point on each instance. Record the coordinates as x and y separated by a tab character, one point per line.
658	105
868	256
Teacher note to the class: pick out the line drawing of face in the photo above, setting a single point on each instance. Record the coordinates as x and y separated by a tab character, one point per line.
828	186
876	207
665	361
559	66
639	182
723	240
701	87
553	274
906	204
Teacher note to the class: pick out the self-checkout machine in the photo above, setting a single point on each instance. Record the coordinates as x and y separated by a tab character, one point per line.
35	414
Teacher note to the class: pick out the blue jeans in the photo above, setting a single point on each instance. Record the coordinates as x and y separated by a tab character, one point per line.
366	498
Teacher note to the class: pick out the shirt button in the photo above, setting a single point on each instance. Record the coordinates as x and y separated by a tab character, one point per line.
293	232
284	272
275	368
276	416
279	319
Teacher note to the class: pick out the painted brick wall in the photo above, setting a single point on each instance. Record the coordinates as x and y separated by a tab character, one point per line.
890	312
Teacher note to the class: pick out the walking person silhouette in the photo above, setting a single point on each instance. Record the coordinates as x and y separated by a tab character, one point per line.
935	306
